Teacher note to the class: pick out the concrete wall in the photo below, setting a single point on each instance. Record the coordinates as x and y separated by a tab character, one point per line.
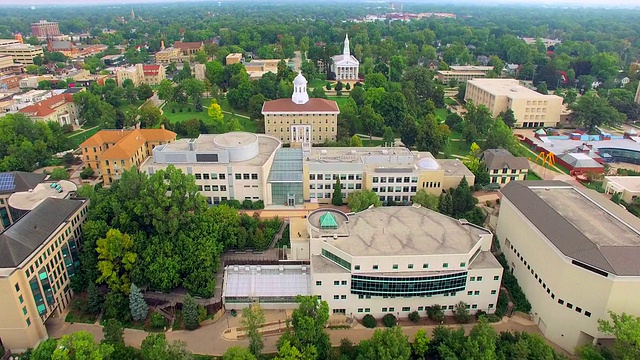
323	126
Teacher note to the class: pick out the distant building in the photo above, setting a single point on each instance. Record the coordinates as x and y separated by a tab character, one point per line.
346	66
579	162
30	98
199	71
22	53
503	167
169	55
627	186
67	48
43	29
8	67
188	48
546	42
153	74
258	67
141	74
10	82
58	108
301	121
531	108
463	73
233	58
113	60
11	183
110	152
574	253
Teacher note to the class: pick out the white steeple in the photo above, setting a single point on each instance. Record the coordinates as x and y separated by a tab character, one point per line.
346	52
300	95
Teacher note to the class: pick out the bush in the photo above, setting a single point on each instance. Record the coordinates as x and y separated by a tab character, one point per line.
86	173
59	174
509	281
502	305
232	203
462	313
493	318
247	204
67	128
188	109
190	313
173	111
202	313
389	320
414	316
369	321
180	110
435	313
157	321
480	313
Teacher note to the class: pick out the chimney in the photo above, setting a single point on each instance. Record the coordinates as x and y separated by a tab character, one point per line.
162	45
18	37
162	126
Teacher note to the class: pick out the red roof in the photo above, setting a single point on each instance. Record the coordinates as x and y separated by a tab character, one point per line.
48	106
287	105
187	45
151	67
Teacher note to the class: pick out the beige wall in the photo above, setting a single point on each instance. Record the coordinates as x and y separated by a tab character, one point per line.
23	55
554	278
18	330
323	126
499	177
167	56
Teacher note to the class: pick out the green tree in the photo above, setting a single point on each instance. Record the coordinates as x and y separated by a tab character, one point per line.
388	137
425	199
190	313
408	131
508	117
215	112
137	304
287	351
370	120
435	313
238	353
201	57
116	260
253	320
361	200
59	174
501	135
397	65
113	332
95	299
355	141
542	88
462	199
445	204
432	136
149	116
255	106
420	344
45	350
165	90
336	199
605	66
592	111
387	344
481	342
156	347
308	335
358	94
79	346
462	313
318	92
626	329
144	92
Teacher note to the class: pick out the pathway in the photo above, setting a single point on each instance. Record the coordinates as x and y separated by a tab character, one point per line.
209	339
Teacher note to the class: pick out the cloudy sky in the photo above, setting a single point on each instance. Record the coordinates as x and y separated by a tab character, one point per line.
607	3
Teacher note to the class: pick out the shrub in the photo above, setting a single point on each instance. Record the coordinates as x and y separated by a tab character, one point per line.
511	283
247	204
502	305
389	320
67	128
369	321
86	173
180	110
232	203
202	313
173	111
462	313
338	92
435	313
488	203
480	313
493	318
188	109
157	321
59	174
414	316
190	313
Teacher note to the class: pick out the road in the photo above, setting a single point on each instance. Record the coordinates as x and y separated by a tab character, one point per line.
297	61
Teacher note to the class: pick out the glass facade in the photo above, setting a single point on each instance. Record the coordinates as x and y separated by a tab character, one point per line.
336	259
408	286
622	155
46	287
285	177
281	193
37	296
5	217
68	261
261	299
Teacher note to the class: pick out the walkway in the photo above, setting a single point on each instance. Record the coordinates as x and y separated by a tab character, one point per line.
209	339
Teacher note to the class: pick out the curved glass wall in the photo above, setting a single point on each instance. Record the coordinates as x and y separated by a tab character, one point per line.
622	155
408	286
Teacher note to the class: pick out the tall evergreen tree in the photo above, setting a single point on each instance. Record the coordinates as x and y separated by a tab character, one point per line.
190	312
95	299
337	194
462	199
137	304
445	204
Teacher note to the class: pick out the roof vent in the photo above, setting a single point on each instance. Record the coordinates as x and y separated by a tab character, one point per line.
385	152
335	236
323	152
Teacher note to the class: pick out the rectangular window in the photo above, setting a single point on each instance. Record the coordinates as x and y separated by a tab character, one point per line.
205	176
336	282
395	266
479	278
336	297
198	176
24	310
587	314
406	308
463	264
560	301
392	309
357	267
425	266
367	310
343	297
474	306
312	176
238	176
17	287
254	176
410	266
214	176
578	309
445	265
21	299
343	282
222	176
28	322
246	176
318	283
360	310
476	292
384	309
570	305
493	292
490	306
375	267
473	278
207	188
469	293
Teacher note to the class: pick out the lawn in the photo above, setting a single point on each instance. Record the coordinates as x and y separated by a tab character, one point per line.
78	138
442	113
450	101
177	116
339	99
460	148
78	312
136	104
533	176
366	142
224	105
318	83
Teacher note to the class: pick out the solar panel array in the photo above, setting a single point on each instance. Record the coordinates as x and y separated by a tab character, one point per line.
7	182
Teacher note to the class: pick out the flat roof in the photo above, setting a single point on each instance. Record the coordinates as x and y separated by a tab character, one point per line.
629	183
266	281
399	230
559	146
26	235
508	87
29	200
470	68
582	224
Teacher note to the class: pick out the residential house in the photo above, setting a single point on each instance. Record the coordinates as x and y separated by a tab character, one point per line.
503	167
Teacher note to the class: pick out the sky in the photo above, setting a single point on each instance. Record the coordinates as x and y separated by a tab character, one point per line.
605	3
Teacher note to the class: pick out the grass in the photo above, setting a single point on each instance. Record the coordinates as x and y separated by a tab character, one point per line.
78	138
533	176
285	240
594	185
224	105
339	99
78	311
450	101
442	113
134	105
318	83
248	125
374	142
460	148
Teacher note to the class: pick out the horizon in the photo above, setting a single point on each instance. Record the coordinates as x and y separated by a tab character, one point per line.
546	3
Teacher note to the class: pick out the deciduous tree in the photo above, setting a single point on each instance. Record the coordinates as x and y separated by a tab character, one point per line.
215	112
252	321
592	111
425	199
626	329
116	260
361	200
387	344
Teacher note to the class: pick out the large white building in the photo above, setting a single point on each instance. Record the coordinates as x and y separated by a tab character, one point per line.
388	260
345	66
576	255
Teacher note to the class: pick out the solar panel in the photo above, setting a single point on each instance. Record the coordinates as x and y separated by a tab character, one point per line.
7	182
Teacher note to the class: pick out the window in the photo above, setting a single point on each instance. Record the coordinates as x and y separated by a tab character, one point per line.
425	266
24	310
395	266
410	266
360	310
238	176
450	307
469	293
221	176
445	265
343	297
318	283
560	301
490	306
406	308
207	188
254	176
578	309
587	314
336	297
384	309
474	306
21	299
205	176
479	278
336	282
493	292
367	310
198	176
477	292
392	309
246	176
570	305
28	322
357	267
360	296
17	286
473	278
343	283
375	267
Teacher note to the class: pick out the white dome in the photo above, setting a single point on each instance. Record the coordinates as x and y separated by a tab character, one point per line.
300	80
428	164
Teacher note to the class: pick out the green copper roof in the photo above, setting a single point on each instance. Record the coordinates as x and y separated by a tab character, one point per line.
328	221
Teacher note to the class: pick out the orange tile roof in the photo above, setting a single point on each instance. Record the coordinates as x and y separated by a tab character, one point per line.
187	45
48	106
127	142
287	105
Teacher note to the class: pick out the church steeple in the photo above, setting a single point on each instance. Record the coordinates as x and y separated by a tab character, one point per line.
346	52
300	95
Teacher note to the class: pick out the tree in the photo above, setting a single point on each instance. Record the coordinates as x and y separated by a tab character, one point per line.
255	106
432	136
420	344
388	136
462	199
113	332
445	204
508	117
369	321
408	131
477	122
355	141
336	199
238	353
308	335
361	200
425	199
626	329
137	304
542	88
358	94
462	313
252	320
435	313
501	135
592	111
190	312
387	344
59	174
149	116
79	346
193	88
370	120
605	66
165	90
45	350
144	92
318	92
215	112
287	351
156	347
116	260
45	85
94	298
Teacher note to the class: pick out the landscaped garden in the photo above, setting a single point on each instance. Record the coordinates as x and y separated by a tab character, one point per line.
182	112
79	136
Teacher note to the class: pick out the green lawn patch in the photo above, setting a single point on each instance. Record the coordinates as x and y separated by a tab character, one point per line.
450	101
248	125
594	185
374	142
78	312
136	104
533	176
78	138
319	83
442	113
460	147
224	105
339	99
